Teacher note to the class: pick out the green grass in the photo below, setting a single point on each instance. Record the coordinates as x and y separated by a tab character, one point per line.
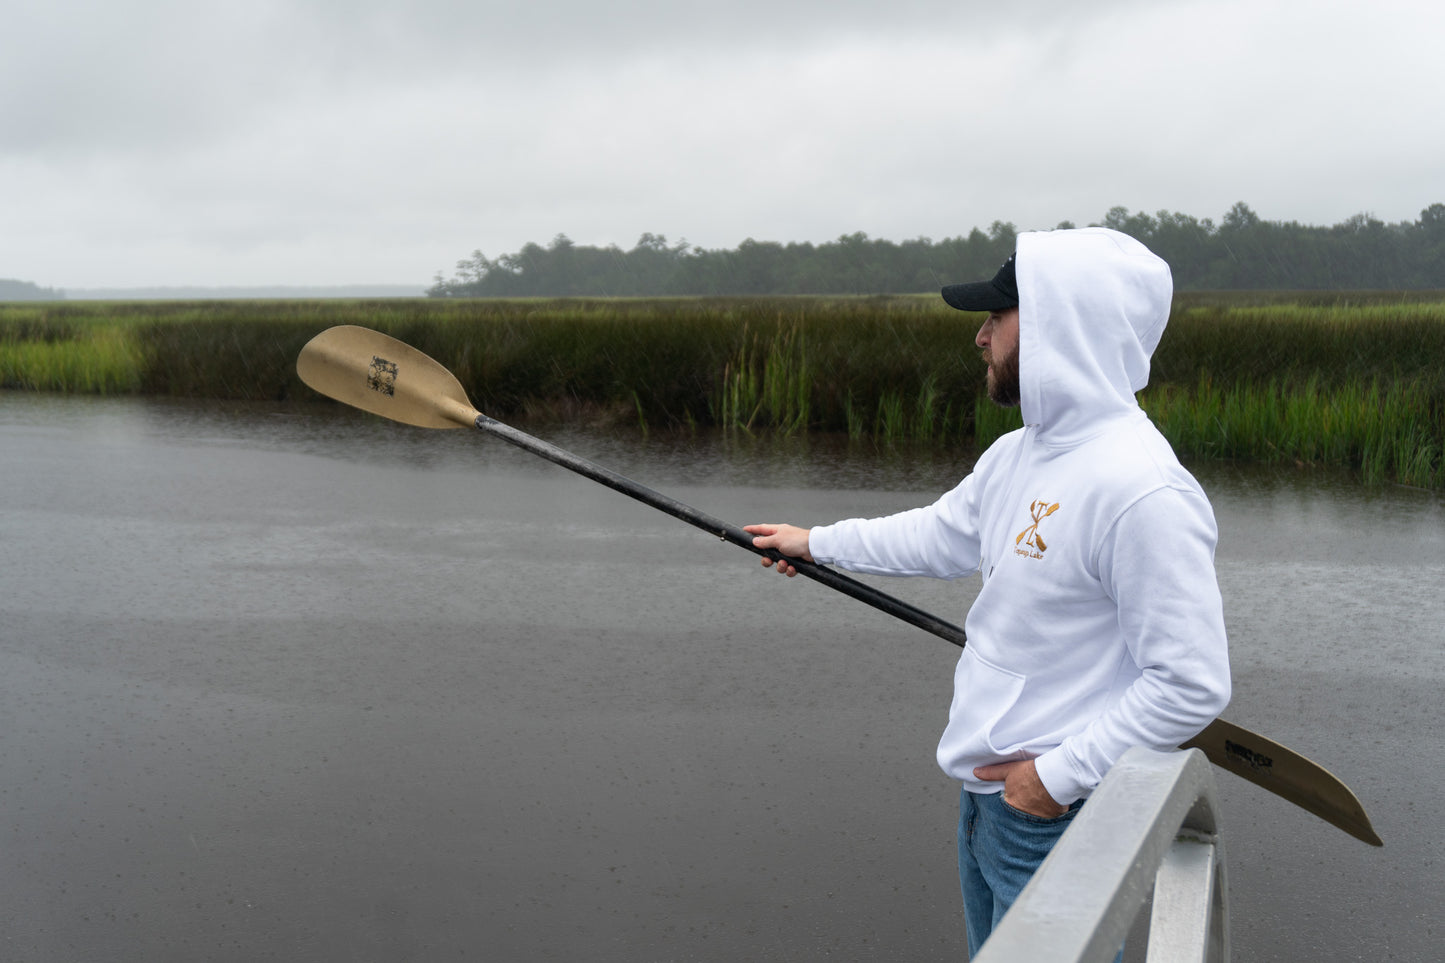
1387	431
766	384
96	360
1348	380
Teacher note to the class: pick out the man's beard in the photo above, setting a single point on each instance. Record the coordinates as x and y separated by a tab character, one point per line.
1003	381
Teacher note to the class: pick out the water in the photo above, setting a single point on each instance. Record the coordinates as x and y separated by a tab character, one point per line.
296	683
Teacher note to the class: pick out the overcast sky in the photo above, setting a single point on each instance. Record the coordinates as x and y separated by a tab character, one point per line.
320	142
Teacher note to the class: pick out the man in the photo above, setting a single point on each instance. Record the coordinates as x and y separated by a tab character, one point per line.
1098	625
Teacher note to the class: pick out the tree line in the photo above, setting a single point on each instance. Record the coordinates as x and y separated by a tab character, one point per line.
13	290
1241	252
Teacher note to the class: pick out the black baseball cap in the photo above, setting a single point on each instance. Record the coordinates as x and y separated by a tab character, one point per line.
1002	292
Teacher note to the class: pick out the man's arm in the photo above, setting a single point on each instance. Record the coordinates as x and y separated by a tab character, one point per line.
939	540
1158	566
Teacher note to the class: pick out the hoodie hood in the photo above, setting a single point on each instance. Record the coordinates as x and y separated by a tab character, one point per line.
1092	306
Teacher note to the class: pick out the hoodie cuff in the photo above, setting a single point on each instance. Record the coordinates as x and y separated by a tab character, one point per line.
1059	778
820	544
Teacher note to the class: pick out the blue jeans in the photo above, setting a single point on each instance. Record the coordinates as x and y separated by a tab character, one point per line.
999	848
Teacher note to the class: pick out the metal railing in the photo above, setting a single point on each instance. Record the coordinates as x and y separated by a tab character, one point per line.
1152	824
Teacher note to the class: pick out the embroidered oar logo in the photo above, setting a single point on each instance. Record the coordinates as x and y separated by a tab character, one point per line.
1030	536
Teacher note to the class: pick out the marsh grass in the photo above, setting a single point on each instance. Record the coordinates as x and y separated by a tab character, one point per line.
1356	382
992	422
98	360
766	384
1385	430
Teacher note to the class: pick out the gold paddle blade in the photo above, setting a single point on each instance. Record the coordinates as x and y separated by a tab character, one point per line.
1287	774
379	374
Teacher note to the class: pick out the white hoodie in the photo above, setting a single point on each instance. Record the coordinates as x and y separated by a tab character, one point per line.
1099	624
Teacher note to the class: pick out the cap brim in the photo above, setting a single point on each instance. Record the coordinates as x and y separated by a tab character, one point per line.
977	296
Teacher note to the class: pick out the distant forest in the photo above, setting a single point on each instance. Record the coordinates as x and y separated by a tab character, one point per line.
1241	252
12	290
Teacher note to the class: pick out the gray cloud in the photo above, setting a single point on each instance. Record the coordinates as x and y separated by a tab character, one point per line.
306	142
77	73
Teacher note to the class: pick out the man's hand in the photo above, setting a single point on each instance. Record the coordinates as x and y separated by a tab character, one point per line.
1022	788
788	539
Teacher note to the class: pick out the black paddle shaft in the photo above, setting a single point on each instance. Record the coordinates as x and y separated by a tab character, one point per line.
728	533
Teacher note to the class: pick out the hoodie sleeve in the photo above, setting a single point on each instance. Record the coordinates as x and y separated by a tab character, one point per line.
1157	563
941	540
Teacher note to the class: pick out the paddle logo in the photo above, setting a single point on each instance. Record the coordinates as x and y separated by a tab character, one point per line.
382	376
1257	761
1029	543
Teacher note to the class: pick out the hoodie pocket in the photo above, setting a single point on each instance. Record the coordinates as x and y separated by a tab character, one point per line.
983	695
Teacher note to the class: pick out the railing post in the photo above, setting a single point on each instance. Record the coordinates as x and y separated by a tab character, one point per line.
1152	824
1188	922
